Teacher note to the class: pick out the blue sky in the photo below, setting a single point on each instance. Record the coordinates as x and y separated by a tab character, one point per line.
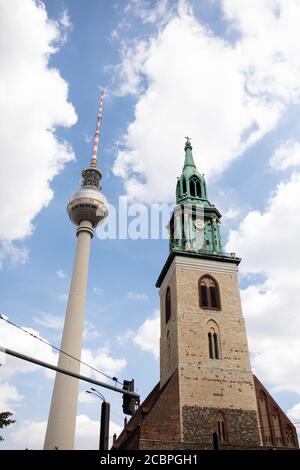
227	73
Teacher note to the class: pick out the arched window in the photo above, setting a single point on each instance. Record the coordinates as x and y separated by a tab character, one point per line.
183	185
221	427
266	430
209	294
195	187
277	427
168	304
289	435
216	345
213	340
168	351
210	346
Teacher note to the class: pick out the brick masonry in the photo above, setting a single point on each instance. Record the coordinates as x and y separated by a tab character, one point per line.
162	423
181	411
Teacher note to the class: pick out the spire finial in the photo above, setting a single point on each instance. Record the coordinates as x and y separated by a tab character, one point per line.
97	133
188	144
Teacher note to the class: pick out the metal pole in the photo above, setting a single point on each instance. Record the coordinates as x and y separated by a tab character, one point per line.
10	352
104	426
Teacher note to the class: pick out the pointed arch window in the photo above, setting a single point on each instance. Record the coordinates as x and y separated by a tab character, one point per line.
264	413
195	187
168	304
289	435
168	351
277	427
213	337
209	293
213	345
210	346
221	427
184	185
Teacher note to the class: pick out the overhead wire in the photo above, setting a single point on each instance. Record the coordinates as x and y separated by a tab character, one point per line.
114	379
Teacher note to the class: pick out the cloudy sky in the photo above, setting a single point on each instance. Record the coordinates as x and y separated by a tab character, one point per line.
225	72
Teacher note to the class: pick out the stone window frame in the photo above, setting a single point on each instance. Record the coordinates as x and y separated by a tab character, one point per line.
209	280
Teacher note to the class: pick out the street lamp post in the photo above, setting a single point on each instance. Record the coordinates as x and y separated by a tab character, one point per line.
104	420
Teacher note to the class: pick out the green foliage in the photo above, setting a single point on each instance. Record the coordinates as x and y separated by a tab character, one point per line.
5	420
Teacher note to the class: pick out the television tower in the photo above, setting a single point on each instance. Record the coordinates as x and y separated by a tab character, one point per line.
86	209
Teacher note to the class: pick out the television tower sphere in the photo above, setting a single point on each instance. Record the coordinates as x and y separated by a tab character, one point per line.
88	203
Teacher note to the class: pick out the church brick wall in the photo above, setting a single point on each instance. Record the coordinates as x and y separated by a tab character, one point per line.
227	382
167	370
161	427
204	383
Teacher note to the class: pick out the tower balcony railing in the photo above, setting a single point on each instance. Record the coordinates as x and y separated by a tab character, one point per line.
183	247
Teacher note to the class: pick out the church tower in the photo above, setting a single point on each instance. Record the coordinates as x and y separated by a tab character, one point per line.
203	337
207	391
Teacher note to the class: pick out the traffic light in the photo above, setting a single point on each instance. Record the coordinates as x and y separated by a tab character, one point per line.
128	401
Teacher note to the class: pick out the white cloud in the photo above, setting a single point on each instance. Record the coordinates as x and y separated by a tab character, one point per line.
150	12
34	102
11	254
8	394
30	434
101	359
147	336
90	331
294	415
225	95
286	155
65	20
128	71
86	398
136	296
18	340
125	337
61	274
269	247
54	322
271	234
231	213
87	432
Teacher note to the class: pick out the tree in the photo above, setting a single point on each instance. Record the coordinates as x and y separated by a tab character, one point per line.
5	420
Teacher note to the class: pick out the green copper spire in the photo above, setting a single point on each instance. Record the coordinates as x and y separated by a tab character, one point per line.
187	232
191	186
189	160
